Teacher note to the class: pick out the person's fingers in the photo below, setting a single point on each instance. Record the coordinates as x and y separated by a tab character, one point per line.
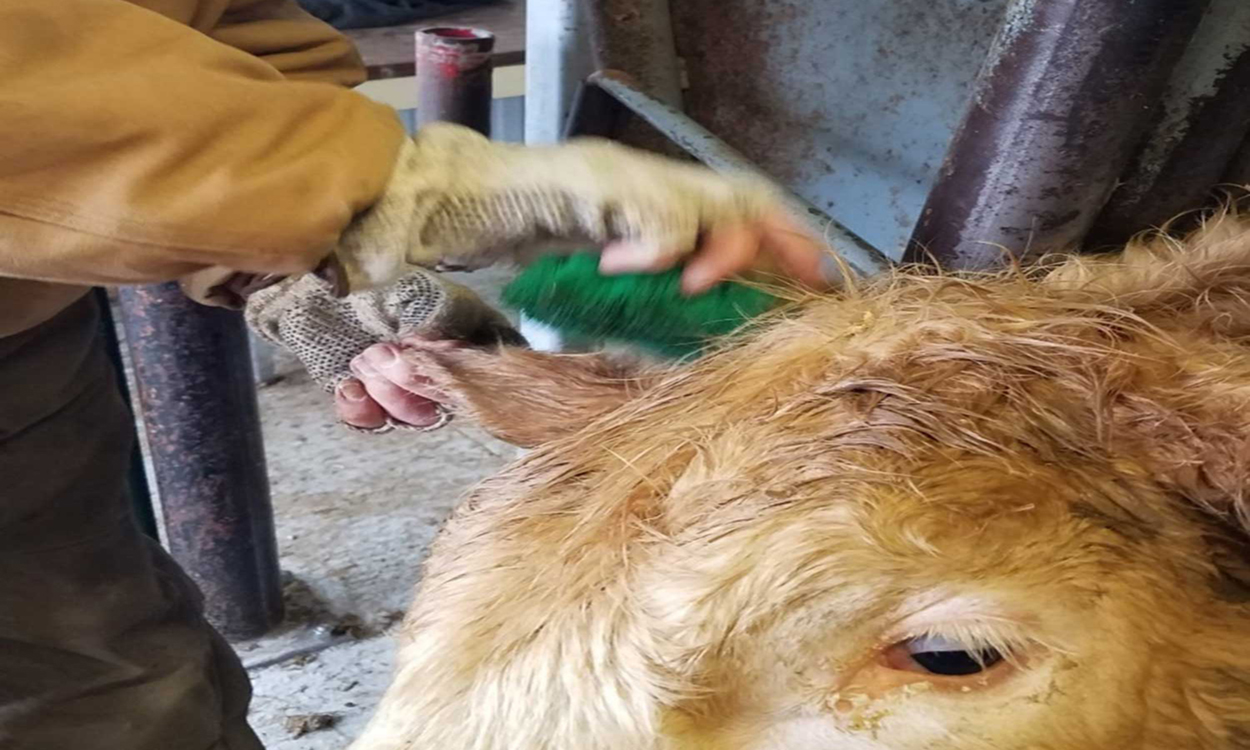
405	368
353	406
724	253
796	252
402	405
638	257
381	372
776	241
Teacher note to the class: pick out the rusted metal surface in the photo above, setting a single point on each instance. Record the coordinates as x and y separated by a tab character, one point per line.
850	104
193	373
1059	108
454	76
697	141
1204	115
855	107
636	37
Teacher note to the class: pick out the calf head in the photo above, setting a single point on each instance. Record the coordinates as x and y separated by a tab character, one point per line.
939	513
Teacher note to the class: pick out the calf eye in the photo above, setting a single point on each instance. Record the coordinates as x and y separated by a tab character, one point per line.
940	656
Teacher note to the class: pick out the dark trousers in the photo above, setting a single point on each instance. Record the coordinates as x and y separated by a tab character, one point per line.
103	645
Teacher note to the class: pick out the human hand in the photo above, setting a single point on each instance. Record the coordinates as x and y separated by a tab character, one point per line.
342	341
457	199
387	390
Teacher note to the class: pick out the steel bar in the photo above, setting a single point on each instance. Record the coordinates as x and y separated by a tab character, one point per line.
697	141
1060	106
136	478
557	60
454	67
193	372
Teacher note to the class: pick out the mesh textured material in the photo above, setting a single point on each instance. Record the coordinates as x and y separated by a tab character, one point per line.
476	230
456	198
496	225
303	315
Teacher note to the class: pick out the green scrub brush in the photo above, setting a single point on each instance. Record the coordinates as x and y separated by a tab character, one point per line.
568	293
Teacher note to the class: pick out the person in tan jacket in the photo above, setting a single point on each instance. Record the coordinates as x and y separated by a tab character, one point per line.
217	142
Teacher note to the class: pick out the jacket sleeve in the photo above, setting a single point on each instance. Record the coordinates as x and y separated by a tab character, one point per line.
288	38
136	149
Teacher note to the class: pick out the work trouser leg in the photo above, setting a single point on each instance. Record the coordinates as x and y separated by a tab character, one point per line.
102	642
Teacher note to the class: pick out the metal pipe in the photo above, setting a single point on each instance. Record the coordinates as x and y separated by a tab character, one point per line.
557	59
636	38
697	141
136	478
193	372
1204	116
454	67
1060	105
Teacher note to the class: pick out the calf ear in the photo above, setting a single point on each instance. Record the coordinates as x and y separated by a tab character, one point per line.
526	397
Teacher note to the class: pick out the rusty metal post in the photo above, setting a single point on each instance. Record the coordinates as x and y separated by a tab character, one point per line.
1057	112
1203	118
454	67
136	478
194	376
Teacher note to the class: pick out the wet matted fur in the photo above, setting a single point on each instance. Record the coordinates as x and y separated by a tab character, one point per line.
726	555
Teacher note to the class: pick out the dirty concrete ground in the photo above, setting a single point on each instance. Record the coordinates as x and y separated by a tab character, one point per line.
354	516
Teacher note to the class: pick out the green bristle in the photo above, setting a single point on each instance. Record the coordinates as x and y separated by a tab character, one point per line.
568	293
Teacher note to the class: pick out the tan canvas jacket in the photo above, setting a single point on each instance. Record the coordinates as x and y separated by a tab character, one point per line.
145	141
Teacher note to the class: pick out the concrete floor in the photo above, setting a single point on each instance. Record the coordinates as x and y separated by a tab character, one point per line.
355	514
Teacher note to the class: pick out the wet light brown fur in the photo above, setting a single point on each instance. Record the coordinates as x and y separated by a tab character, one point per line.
712	557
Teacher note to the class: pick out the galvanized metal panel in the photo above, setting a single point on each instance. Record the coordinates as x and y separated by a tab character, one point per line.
851	104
